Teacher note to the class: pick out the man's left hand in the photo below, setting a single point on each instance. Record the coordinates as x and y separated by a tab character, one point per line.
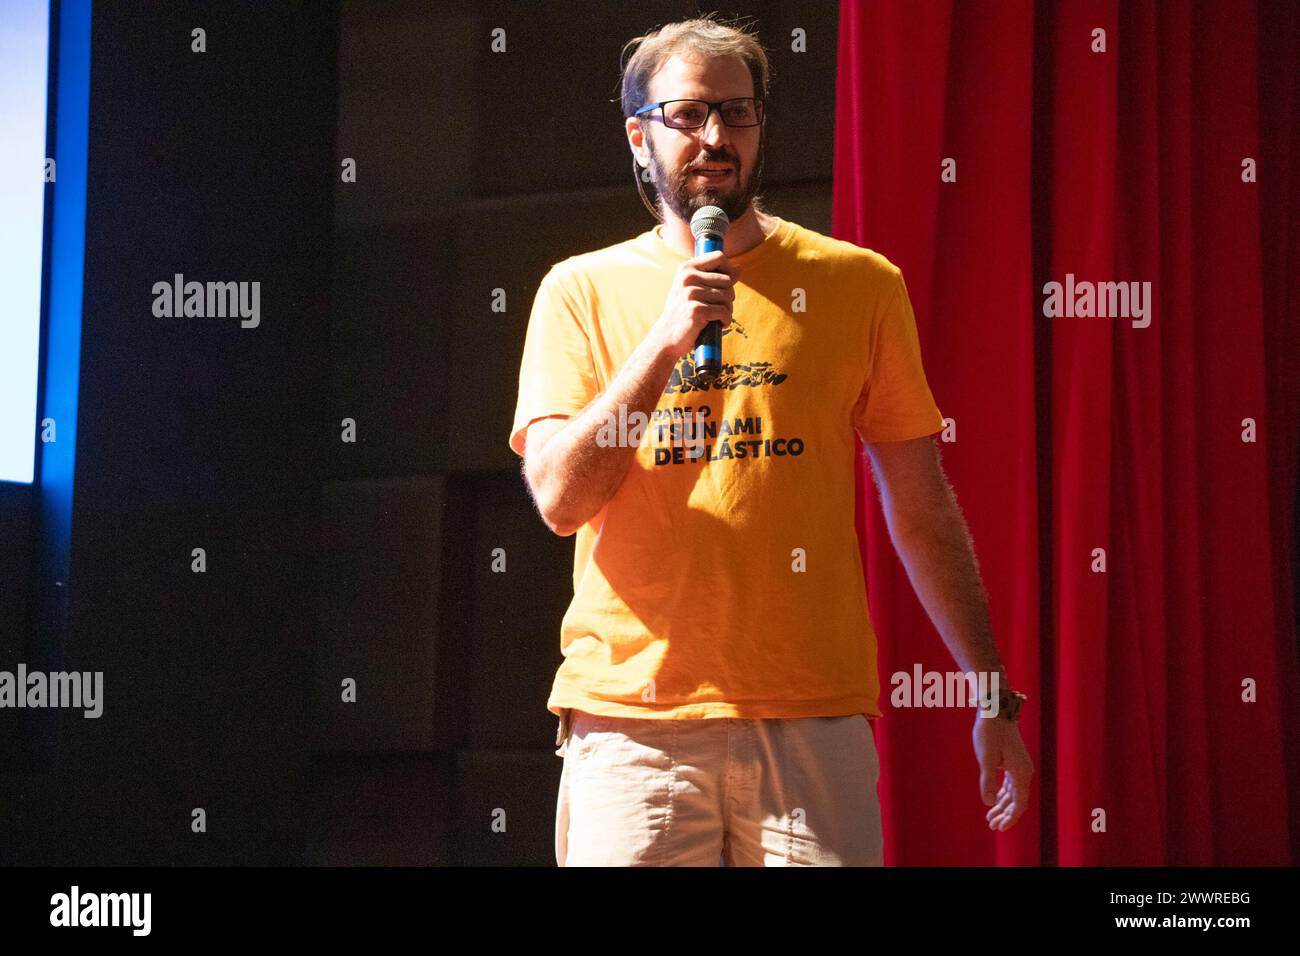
998	746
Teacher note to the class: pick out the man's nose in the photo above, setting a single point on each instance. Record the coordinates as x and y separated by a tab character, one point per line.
715	131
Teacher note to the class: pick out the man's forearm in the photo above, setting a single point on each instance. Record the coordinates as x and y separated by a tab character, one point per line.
576	473
939	556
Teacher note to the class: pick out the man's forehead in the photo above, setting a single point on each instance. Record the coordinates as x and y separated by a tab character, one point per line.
721	77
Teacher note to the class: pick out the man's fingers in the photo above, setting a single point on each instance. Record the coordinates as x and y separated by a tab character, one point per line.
1009	817
1000	807
1004	797
1015	800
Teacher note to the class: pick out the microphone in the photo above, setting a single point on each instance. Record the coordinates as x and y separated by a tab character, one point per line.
708	226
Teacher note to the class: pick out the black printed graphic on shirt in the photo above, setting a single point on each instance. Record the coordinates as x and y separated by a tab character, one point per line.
734	375
691	435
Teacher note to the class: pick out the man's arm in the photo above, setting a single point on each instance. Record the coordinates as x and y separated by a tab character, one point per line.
931	537
570	475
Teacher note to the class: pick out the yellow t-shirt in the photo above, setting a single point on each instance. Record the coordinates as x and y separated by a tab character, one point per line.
724	579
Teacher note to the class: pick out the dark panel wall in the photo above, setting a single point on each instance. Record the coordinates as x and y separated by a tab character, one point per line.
195	433
17	510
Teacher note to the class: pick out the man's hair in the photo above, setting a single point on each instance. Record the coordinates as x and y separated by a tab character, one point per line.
702	38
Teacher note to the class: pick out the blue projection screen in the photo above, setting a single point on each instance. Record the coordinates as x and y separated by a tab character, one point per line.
24	50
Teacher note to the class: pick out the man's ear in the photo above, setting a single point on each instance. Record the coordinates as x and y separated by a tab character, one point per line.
636	140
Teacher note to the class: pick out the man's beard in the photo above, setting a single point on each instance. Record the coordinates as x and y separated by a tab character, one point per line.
683	196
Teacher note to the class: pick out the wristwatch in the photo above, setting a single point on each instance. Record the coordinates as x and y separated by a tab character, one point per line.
1009	702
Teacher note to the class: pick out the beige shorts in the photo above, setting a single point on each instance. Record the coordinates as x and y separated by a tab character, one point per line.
717	791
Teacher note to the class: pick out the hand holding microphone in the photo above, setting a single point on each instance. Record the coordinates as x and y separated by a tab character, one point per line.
701	296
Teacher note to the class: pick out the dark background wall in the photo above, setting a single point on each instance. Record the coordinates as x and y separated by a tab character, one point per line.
192	433
327	560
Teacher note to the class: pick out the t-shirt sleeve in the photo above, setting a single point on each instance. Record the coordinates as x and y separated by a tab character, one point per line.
557	375
895	403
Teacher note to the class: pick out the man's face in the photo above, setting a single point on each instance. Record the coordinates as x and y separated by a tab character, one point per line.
675	154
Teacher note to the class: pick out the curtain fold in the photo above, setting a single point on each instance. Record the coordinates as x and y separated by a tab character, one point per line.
1140	555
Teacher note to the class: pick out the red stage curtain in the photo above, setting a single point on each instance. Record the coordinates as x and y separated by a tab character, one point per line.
1075	434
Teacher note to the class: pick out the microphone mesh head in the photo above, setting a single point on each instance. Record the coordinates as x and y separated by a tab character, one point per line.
709	219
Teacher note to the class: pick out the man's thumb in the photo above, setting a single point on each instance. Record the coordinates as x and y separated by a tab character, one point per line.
988	786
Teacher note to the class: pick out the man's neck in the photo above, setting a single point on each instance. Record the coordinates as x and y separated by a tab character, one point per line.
742	235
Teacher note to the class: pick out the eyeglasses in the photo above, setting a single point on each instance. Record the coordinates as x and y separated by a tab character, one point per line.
692	114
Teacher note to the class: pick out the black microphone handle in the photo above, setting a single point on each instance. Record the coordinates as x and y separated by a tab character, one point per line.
708	344
708	352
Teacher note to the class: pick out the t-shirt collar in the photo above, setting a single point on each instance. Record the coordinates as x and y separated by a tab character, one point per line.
773	239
